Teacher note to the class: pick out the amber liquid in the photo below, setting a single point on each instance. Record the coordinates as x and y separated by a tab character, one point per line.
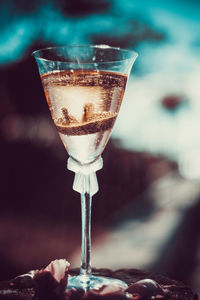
84	105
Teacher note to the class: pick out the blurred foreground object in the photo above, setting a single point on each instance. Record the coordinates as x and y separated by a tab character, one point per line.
44	286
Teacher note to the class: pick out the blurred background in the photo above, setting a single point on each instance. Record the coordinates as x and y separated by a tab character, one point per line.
147	211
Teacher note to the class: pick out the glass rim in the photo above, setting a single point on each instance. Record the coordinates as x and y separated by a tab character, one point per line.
100	46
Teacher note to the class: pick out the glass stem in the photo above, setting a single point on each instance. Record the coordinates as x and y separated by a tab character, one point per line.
86	203
85	183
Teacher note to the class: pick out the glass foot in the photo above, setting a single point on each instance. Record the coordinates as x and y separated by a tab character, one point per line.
89	282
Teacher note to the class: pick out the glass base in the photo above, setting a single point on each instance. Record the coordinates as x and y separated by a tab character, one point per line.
90	282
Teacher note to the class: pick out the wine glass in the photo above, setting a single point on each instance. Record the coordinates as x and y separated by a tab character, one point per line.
84	87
